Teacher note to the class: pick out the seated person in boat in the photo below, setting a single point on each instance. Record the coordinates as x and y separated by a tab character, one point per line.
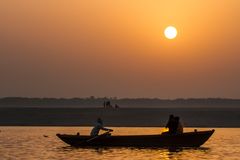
170	124
174	125
99	126
179	126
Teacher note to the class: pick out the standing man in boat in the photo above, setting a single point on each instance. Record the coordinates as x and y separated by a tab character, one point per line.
99	126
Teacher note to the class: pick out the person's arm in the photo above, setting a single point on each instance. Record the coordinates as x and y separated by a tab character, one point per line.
106	129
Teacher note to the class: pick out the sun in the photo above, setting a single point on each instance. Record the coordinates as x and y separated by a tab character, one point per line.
170	32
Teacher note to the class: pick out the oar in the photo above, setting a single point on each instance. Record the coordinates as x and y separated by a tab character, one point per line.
89	140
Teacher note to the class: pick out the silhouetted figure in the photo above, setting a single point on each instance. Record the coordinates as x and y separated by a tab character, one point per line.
170	124
179	126
108	104
174	125
98	126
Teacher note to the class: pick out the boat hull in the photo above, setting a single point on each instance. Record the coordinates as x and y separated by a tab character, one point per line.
188	139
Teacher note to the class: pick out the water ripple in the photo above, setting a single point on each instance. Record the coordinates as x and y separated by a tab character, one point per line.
33	143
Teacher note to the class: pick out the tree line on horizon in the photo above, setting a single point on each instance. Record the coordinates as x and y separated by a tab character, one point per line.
98	102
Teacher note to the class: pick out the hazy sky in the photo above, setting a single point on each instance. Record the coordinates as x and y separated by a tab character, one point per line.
79	48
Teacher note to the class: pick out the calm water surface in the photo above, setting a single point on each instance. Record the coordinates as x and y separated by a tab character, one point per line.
32	143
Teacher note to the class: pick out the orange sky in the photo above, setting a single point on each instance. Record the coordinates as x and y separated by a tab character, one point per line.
59	48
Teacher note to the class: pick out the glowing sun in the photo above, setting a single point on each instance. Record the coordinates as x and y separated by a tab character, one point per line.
170	32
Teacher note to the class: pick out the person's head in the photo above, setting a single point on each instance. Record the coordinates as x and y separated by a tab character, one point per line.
99	120
177	119
171	116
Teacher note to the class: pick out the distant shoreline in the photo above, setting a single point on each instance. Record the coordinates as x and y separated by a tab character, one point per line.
122	117
92	102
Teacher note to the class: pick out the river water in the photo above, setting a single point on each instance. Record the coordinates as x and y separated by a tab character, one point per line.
33	143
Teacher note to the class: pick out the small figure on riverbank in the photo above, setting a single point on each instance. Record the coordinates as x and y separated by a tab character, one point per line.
107	104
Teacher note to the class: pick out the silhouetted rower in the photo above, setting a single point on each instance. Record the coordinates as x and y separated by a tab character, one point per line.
98	126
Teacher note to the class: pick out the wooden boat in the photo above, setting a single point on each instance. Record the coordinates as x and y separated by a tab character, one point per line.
188	139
